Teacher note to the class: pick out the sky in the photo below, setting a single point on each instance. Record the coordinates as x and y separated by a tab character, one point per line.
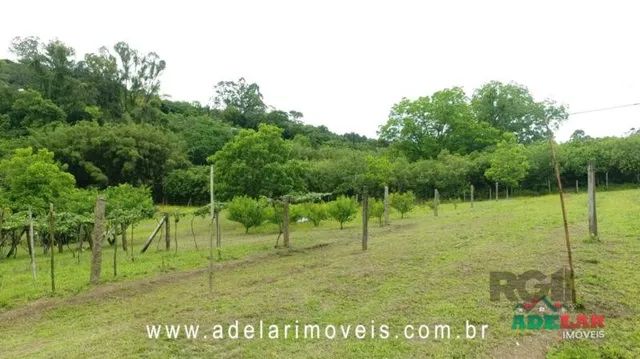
343	64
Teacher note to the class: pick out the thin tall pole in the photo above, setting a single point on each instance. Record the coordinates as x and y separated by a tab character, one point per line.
32	247
591	190
212	213
365	220
51	246
572	282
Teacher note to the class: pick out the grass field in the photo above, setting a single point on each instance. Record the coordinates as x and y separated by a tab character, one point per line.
418	270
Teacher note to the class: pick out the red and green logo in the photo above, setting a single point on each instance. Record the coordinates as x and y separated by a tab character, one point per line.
543	314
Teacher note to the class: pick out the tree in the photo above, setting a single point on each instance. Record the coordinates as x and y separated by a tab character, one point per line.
247	211
244	97
422	128
127	205
509	164
112	154
203	136
31	110
343	210
31	179
403	202
510	108
257	163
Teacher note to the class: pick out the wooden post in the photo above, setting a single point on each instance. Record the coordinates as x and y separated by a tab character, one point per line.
96	238
436	201
32	248
153	234
212	213
51	248
285	221
497	191
115	254
218	235
556	166
548	185
606	180
386	205
365	219
591	190
167	231
577	187
471	189
131	242
176	219
490	193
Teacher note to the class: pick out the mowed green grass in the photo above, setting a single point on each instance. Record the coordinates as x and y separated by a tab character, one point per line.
418	270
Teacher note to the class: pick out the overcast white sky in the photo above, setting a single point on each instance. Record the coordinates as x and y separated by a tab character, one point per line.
345	63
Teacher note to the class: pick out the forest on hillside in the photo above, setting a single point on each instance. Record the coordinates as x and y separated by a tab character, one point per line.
71	127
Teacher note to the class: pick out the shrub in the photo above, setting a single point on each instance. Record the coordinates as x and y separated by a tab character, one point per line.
247	211
343	209
315	212
376	209
403	202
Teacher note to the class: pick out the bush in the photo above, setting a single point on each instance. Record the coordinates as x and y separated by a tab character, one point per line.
376	209
403	202
189	185
343	209
247	211
315	212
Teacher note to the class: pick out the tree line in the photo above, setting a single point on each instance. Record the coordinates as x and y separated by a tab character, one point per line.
102	122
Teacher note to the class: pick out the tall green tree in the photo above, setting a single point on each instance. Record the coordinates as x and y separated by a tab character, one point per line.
510	108
257	163
31	179
509	164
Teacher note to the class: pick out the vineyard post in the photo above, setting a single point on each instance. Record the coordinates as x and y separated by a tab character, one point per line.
32	246
51	249
365	219
97	235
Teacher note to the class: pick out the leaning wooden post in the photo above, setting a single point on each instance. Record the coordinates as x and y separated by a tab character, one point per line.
96	238
32	247
436	201
167	231
51	244
386	205
497	192
285	221
365	219
556	166
471	189
212	213
591	189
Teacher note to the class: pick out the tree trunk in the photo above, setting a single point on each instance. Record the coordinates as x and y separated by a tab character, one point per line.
285	222
124	238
